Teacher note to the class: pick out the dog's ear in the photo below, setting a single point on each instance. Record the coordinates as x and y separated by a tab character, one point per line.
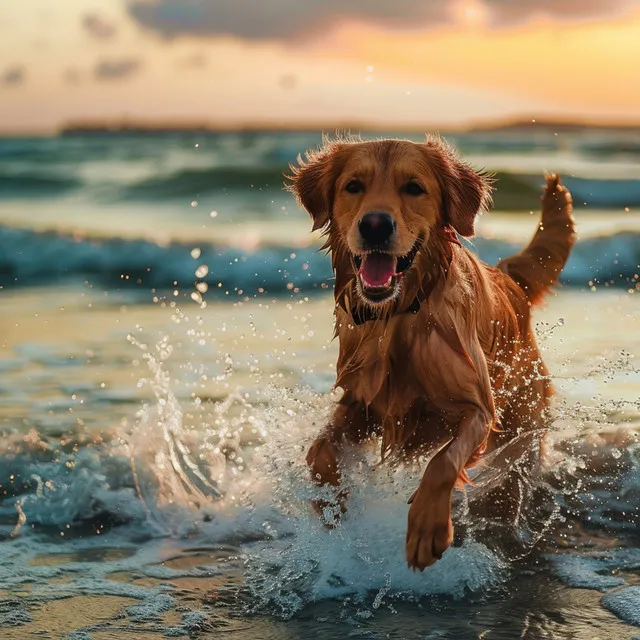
465	191
311	181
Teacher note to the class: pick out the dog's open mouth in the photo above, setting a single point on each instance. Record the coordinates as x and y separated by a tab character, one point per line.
380	273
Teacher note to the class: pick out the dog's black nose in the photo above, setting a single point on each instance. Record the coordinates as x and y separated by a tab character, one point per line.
376	228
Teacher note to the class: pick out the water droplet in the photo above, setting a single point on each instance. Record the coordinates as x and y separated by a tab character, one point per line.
214	214
560	322
195	253
202	271
337	393
194	203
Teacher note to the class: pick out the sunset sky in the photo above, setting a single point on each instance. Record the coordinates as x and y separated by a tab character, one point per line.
242	61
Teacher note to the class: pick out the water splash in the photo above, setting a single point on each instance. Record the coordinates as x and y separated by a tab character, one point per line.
241	472
213	464
186	478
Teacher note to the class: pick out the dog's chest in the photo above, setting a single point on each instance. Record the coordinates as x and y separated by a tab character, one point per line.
388	367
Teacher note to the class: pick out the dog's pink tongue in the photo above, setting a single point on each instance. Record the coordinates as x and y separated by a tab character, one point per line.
377	268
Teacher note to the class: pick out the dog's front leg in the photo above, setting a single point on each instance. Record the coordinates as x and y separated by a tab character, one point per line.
430	530
322	459
350	423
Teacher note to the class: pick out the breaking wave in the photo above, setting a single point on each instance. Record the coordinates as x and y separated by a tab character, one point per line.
29	258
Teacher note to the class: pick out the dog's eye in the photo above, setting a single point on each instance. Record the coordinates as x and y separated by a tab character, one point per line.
354	186
413	188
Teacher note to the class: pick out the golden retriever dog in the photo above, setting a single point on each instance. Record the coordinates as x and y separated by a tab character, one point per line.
437	355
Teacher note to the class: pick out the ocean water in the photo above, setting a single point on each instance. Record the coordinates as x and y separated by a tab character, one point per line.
166	357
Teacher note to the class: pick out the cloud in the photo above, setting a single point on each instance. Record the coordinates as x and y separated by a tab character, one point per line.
269	19
505	12
13	76
116	69
98	27
274	18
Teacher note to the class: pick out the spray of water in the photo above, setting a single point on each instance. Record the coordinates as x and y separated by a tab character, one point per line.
239	470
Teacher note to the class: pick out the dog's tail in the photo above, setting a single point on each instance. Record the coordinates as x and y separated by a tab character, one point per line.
537	267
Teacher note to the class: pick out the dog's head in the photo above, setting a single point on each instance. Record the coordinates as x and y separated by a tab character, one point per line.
382	203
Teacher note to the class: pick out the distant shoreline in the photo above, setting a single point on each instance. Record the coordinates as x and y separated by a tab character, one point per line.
507	126
133	128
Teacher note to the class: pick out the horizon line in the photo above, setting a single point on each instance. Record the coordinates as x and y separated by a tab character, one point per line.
122	125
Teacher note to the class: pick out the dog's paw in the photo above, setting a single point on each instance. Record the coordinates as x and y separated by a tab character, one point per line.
429	530
322	459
